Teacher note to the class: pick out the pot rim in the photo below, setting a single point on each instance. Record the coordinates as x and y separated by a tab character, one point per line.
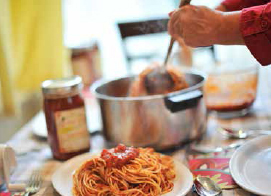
102	82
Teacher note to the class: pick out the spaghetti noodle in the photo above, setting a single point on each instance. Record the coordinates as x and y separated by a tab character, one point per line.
145	173
138	86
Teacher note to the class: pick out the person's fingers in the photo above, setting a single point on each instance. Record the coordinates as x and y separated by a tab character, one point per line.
177	27
187	39
171	22
170	25
180	41
171	13
173	29
175	36
169	28
175	15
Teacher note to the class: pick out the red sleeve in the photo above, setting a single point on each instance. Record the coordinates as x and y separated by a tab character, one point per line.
234	5
255	25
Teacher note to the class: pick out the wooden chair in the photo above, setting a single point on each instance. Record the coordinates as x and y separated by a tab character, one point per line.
137	28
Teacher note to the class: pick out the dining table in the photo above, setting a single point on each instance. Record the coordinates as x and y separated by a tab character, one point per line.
33	152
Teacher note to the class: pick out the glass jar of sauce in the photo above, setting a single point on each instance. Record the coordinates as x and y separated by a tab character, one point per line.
64	110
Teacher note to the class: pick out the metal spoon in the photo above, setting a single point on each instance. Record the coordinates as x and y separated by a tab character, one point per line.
241	134
159	80
205	186
207	150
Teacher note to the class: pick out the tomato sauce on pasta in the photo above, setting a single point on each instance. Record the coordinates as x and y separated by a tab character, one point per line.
125	171
119	156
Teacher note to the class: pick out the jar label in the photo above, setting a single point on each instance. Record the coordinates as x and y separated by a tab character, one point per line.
72	131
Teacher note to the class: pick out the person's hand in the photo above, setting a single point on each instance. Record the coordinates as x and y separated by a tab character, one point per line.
196	25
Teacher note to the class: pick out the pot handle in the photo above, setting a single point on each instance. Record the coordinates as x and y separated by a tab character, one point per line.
183	101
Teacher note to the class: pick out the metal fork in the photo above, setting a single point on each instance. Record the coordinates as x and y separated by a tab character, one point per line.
34	184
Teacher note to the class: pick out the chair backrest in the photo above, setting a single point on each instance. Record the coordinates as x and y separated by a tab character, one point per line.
130	29
137	28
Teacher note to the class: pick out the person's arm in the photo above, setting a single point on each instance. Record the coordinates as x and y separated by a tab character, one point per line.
229	32
201	26
221	8
235	5
255	27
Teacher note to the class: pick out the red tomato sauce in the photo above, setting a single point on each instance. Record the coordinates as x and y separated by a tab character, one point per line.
119	156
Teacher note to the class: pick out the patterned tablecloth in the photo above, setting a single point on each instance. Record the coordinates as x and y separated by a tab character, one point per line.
33	153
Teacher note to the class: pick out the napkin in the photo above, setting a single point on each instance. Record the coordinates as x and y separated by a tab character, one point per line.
5	194
13	194
214	165
215	168
7	165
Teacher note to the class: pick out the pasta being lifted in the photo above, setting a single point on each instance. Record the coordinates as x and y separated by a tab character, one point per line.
125	171
138	86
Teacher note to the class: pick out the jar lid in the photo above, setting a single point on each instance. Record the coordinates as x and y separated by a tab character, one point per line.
62	86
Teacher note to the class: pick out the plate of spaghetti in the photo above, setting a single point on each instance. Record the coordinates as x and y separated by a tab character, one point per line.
123	171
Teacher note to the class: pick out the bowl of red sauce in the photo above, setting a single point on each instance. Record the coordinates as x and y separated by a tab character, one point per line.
231	91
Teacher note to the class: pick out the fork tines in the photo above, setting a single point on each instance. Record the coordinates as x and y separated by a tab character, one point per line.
34	182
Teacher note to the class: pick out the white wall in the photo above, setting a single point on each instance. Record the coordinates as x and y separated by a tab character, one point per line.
95	19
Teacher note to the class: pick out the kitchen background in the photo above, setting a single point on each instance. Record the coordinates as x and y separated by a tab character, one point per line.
88	26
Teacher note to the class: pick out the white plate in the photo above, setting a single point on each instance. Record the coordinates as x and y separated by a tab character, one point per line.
62	178
39	125
250	165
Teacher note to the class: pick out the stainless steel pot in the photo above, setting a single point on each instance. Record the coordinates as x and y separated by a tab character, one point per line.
159	121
